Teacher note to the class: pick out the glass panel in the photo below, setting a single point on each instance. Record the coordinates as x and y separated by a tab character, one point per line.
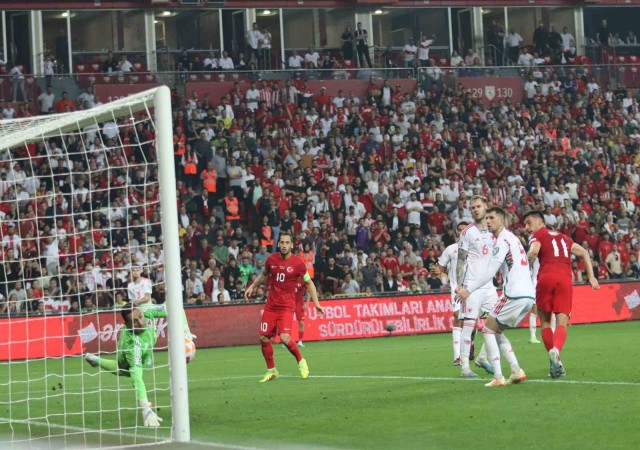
3	54
94	33
197	32
300	28
19	39
619	36
56	44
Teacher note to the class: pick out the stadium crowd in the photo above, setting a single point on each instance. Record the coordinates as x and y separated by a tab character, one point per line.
371	187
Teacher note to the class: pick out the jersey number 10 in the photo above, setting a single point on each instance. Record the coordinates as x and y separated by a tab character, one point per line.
556	249
280	277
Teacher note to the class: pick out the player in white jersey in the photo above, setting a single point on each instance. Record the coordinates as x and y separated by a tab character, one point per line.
518	296
139	289
474	253
447	263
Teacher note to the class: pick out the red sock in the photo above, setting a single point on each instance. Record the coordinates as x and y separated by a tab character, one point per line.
547	338
559	337
295	351
267	352
300	335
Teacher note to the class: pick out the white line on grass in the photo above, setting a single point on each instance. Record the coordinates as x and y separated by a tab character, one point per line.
164	441
371	377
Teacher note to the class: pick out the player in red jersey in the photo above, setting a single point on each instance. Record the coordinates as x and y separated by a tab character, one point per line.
283	270
554	290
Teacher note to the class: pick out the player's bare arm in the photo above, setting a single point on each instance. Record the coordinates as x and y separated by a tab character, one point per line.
532	254
581	252
142	301
257	282
313	294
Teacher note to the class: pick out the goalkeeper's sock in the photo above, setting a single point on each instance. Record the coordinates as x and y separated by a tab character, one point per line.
547	338
294	350
108	364
267	352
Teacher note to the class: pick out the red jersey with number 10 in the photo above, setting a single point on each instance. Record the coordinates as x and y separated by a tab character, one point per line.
555	250
284	275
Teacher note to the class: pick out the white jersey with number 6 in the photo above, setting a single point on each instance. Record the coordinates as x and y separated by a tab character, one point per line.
479	245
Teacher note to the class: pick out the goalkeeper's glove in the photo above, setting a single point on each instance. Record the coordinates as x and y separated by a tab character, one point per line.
189	335
149	417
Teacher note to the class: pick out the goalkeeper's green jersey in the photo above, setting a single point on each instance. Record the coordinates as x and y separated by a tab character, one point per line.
135	351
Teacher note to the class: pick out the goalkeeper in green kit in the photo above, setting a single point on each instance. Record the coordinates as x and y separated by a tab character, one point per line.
135	352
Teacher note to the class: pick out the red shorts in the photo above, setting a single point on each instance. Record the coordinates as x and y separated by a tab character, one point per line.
300	311
554	293
276	321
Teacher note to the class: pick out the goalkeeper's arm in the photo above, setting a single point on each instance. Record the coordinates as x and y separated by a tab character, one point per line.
149	417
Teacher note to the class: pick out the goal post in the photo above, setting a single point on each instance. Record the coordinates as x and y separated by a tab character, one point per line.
51	224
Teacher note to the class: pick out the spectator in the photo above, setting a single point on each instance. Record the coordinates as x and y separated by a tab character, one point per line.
347	43
64	104
525	59
226	63
311	58
110	64
220	294
423	50
46	101
265	48
541	39
513	41
124	65
410	52
362	45
254	41
295	60
456	60
17	83
470	57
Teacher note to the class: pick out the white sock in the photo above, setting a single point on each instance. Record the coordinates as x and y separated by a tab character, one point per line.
507	352
493	351
483	356
553	322
465	343
456	332
532	325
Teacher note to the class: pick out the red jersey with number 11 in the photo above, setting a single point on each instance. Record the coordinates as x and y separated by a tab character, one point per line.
555	251
283	280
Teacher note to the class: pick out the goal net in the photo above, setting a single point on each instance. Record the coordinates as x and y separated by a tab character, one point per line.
84	197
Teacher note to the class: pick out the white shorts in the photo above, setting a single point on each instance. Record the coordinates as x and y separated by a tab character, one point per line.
478	303
509	313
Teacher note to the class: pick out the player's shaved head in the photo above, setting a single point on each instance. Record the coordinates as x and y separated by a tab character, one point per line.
497	211
133	318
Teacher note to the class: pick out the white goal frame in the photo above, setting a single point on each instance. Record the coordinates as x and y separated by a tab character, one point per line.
14	133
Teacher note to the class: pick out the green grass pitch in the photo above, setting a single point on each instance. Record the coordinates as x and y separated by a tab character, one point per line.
385	393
